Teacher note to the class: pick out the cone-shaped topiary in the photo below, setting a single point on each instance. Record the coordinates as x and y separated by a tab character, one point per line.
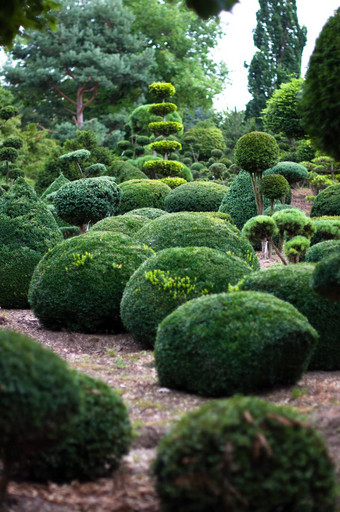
125	224
198	196
55	185
327	202
293	284
244	454
79	284
142	194
170	278
100	436
186	229
322	250
233	343
326	277
38	399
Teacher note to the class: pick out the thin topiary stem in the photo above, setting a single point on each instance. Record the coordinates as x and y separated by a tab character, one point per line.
280	255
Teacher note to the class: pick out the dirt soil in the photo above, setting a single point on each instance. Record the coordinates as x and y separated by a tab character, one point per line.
126	366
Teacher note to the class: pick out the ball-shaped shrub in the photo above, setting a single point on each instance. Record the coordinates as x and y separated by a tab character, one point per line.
293	284
242	454
38	399
293	223
217	153
170	278
87	200
162	90
274	186
196	166
233	343
322	250
150	213
327	202
79	284
142	194
100	436
125	224
292	171
256	151
259	228
197	196
326	229
185	229
217	170
326	277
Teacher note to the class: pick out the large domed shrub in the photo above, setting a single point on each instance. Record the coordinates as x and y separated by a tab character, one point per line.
100	436
39	398
126	224
293	284
142	194
327	202
170	278
321	250
185	229
292	171
244	454
79	284
233	343
198	196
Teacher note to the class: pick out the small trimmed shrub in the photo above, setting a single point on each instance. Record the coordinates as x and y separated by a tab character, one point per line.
162	109
170	278
79	284
100	436
292	171
296	248
322	250
150	213
198	196
274	187
165	146
162	168
95	170
217	170
217	153
173	182
327	202
125	224
242	454
293	284
87	200
326	277
326	230
193	229
165	128
162	90
196	166
142	194
233	343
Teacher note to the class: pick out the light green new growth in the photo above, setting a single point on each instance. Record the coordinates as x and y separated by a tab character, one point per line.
178	287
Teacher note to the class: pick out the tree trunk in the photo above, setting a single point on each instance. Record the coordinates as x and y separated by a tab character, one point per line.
6	475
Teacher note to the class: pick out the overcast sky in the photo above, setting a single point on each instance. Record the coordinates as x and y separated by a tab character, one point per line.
237	46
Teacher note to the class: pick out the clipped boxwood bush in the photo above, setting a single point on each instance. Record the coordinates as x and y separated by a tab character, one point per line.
170	278
79	284
293	284
327	202
100	436
125	224
185	229
142	194
321	250
233	343
198	196
150	213
326	277
292	171
242	454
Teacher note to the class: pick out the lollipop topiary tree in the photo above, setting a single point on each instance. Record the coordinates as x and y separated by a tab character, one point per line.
165	167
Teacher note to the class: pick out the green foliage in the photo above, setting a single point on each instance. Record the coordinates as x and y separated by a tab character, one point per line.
162	109
95	170
162	90
259	228
205	10
188	229
141	117
320	100
327	229
173	182
125	224
292	283
249	340
292	171
322	250
293	222
274	186
8	154
13	142
100	436
162	168
165	128
296	248
198	196
124	171
327	202
256	151
242	453
326	277
55	186
142	194
203	139
87	200
150	213
8	111
217	170
166	146
85	297
170	278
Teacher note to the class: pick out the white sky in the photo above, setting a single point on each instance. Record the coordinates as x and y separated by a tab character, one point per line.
237	46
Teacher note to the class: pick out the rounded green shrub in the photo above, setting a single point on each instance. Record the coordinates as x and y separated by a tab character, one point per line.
326	277
150	213
162	109
274	186
79	284
293	284
233	343
217	170
165	146
55	186
173	182
256	151
87	200
292	171
162	168
296	248
242	454
327	229
327	202
197	196
217	153
185	229
125	224
95	170
322	250
124	171
165	128
293	222
259	228
196	166
162	90
142	194
100	436
170	278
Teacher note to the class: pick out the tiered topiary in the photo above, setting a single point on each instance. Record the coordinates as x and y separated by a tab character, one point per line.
244	454
170	278
233	343
293	284
150	213
326	277
327	202
165	167
125	224
39	398
274	187
322	250
87	200
292	171
100	436
79	284
9	152
142	194
185	229
198	196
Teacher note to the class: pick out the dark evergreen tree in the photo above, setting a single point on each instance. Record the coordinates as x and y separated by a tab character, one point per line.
280	41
